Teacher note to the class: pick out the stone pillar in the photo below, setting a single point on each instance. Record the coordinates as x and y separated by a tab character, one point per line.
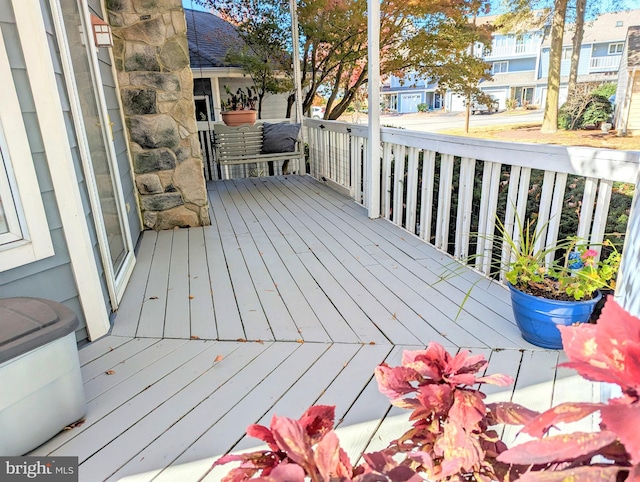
156	86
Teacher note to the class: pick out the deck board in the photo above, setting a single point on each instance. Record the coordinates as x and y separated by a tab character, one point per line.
193	358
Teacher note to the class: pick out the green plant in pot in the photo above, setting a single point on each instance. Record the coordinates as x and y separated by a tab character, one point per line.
240	107
558	285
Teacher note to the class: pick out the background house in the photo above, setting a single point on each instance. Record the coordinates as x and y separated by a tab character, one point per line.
210	39
627	114
520	65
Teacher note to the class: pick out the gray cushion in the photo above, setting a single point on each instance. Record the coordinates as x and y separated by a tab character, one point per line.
279	137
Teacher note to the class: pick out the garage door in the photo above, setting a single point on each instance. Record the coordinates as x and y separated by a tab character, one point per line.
410	103
500	96
456	103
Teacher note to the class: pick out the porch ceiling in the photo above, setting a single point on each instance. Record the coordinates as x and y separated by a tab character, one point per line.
290	298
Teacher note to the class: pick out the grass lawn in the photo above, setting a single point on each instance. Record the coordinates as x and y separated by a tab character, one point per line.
531	133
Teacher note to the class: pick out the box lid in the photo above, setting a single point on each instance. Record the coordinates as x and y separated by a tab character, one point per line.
29	323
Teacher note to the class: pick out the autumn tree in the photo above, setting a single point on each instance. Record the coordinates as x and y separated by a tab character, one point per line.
264	55
425	37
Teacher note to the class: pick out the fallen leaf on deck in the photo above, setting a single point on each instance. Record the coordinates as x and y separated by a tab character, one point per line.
73	425
195	337
300	341
110	372
153	297
372	343
241	340
218	358
260	341
191	297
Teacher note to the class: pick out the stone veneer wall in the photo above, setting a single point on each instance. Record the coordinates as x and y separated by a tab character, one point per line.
156	86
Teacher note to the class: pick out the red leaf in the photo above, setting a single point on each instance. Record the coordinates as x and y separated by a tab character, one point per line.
435	398
290	436
287	473
582	474
318	420
458	450
497	379
395	382
238	475
624	420
565	412
262	433
608	351
327	455
511	413
429	363
344	468
557	448
463	362
467	409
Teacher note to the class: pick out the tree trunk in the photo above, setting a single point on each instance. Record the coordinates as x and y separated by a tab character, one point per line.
550	120
467	113
581	6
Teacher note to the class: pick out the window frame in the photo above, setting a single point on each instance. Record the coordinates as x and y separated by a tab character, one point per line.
567	52
615	46
504	63
32	240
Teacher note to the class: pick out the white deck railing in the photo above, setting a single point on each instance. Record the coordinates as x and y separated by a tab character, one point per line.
418	193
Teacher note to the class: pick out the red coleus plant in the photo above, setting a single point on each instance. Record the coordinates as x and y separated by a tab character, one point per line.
451	436
608	351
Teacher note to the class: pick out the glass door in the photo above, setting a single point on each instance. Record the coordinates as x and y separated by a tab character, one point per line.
95	140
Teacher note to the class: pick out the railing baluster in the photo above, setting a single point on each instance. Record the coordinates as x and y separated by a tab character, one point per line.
444	202
600	216
385	186
553	227
487	222
544	209
412	189
465	202
398	185
426	199
586	210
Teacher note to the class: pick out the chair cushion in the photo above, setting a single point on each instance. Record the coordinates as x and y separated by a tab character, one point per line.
279	137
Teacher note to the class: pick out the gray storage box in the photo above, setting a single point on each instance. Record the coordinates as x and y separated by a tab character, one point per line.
40	383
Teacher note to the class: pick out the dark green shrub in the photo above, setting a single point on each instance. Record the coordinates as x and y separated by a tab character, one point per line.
423	107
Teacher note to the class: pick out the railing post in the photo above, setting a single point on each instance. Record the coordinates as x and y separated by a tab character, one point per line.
372	161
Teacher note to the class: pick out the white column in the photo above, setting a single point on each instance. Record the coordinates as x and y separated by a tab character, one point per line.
372	162
296	73
628	282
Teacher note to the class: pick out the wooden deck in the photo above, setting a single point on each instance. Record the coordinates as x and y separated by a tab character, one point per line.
290	298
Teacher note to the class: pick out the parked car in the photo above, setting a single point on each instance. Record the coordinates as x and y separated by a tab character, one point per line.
317	112
489	105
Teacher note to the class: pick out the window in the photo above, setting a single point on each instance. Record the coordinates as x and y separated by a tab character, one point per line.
566	53
24	232
616	48
619	23
500	67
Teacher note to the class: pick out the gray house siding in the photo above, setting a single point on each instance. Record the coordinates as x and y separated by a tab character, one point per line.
50	278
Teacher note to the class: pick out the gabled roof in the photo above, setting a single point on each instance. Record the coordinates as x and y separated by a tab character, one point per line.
210	38
633	47
608	27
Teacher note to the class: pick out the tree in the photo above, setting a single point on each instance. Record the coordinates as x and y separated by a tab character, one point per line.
264	56
581	8
550	119
424	36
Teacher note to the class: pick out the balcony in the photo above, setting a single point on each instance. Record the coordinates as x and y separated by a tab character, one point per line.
294	295
610	63
520	50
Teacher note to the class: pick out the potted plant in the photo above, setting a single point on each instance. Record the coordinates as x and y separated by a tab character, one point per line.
559	285
240	107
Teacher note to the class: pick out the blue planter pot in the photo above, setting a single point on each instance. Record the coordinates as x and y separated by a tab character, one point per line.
538	317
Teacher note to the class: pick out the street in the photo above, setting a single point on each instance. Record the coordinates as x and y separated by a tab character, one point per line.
434	122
